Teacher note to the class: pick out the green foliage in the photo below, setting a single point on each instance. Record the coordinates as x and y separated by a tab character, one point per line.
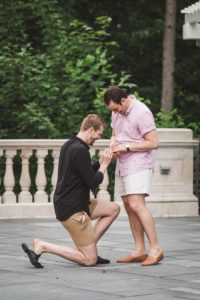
173	119
56	62
2	172
137	26
35	117
170	119
195	126
138	29
49	88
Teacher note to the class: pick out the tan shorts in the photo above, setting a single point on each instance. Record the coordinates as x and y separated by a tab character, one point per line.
134	184
80	227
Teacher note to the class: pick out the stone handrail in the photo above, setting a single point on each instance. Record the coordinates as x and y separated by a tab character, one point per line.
26	148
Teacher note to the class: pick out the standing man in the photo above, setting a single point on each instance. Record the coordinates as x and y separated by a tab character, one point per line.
133	139
72	203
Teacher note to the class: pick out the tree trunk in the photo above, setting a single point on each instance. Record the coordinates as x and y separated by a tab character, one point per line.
168	56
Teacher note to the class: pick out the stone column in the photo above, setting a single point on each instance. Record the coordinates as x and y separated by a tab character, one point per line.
55	155
25	181
41	196
91	195
172	182
9	179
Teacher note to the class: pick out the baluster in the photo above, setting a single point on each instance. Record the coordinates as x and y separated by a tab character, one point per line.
1	154
25	181
41	196
103	192
9	179
55	155
91	195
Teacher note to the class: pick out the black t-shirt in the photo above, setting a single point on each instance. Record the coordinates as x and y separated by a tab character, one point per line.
76	176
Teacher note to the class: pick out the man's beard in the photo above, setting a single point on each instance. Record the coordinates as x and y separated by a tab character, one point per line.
92	143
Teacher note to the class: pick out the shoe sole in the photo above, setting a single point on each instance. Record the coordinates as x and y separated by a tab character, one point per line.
135	259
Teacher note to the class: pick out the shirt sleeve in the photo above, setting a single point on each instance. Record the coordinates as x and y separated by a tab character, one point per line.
96	166
82	163
146	122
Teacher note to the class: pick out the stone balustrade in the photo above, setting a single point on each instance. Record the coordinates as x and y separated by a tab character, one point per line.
172	188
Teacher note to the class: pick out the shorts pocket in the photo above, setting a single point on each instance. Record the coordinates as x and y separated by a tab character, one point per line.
80	217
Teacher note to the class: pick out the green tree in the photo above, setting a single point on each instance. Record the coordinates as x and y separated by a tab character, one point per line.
48	86
167	99
53	70
138	28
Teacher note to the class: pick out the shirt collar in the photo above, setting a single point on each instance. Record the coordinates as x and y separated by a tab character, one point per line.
76	138
131	97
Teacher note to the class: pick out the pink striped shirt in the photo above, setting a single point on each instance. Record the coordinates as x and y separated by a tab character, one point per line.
131	128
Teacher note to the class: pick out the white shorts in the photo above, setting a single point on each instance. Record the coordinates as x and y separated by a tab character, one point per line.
134	184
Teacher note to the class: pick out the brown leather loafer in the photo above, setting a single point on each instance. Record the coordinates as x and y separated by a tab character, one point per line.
153	260
132	259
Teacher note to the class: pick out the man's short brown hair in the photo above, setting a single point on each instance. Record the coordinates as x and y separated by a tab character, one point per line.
92	120
114	93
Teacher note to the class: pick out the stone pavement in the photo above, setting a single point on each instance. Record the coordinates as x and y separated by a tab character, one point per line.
177	277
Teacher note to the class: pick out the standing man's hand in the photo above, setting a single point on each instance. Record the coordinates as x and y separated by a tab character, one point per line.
119	148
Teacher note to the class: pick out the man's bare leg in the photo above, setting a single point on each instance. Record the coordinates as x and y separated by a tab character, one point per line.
136	228
141	221
137	204
86	255
106	212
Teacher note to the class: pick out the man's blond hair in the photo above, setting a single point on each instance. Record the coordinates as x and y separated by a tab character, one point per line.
92	120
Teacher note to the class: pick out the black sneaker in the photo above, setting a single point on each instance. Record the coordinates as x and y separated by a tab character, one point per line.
101	260
33	257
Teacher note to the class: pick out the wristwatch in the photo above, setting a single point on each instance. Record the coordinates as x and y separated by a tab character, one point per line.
128	148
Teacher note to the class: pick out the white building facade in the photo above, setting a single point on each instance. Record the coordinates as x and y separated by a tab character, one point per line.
191	27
